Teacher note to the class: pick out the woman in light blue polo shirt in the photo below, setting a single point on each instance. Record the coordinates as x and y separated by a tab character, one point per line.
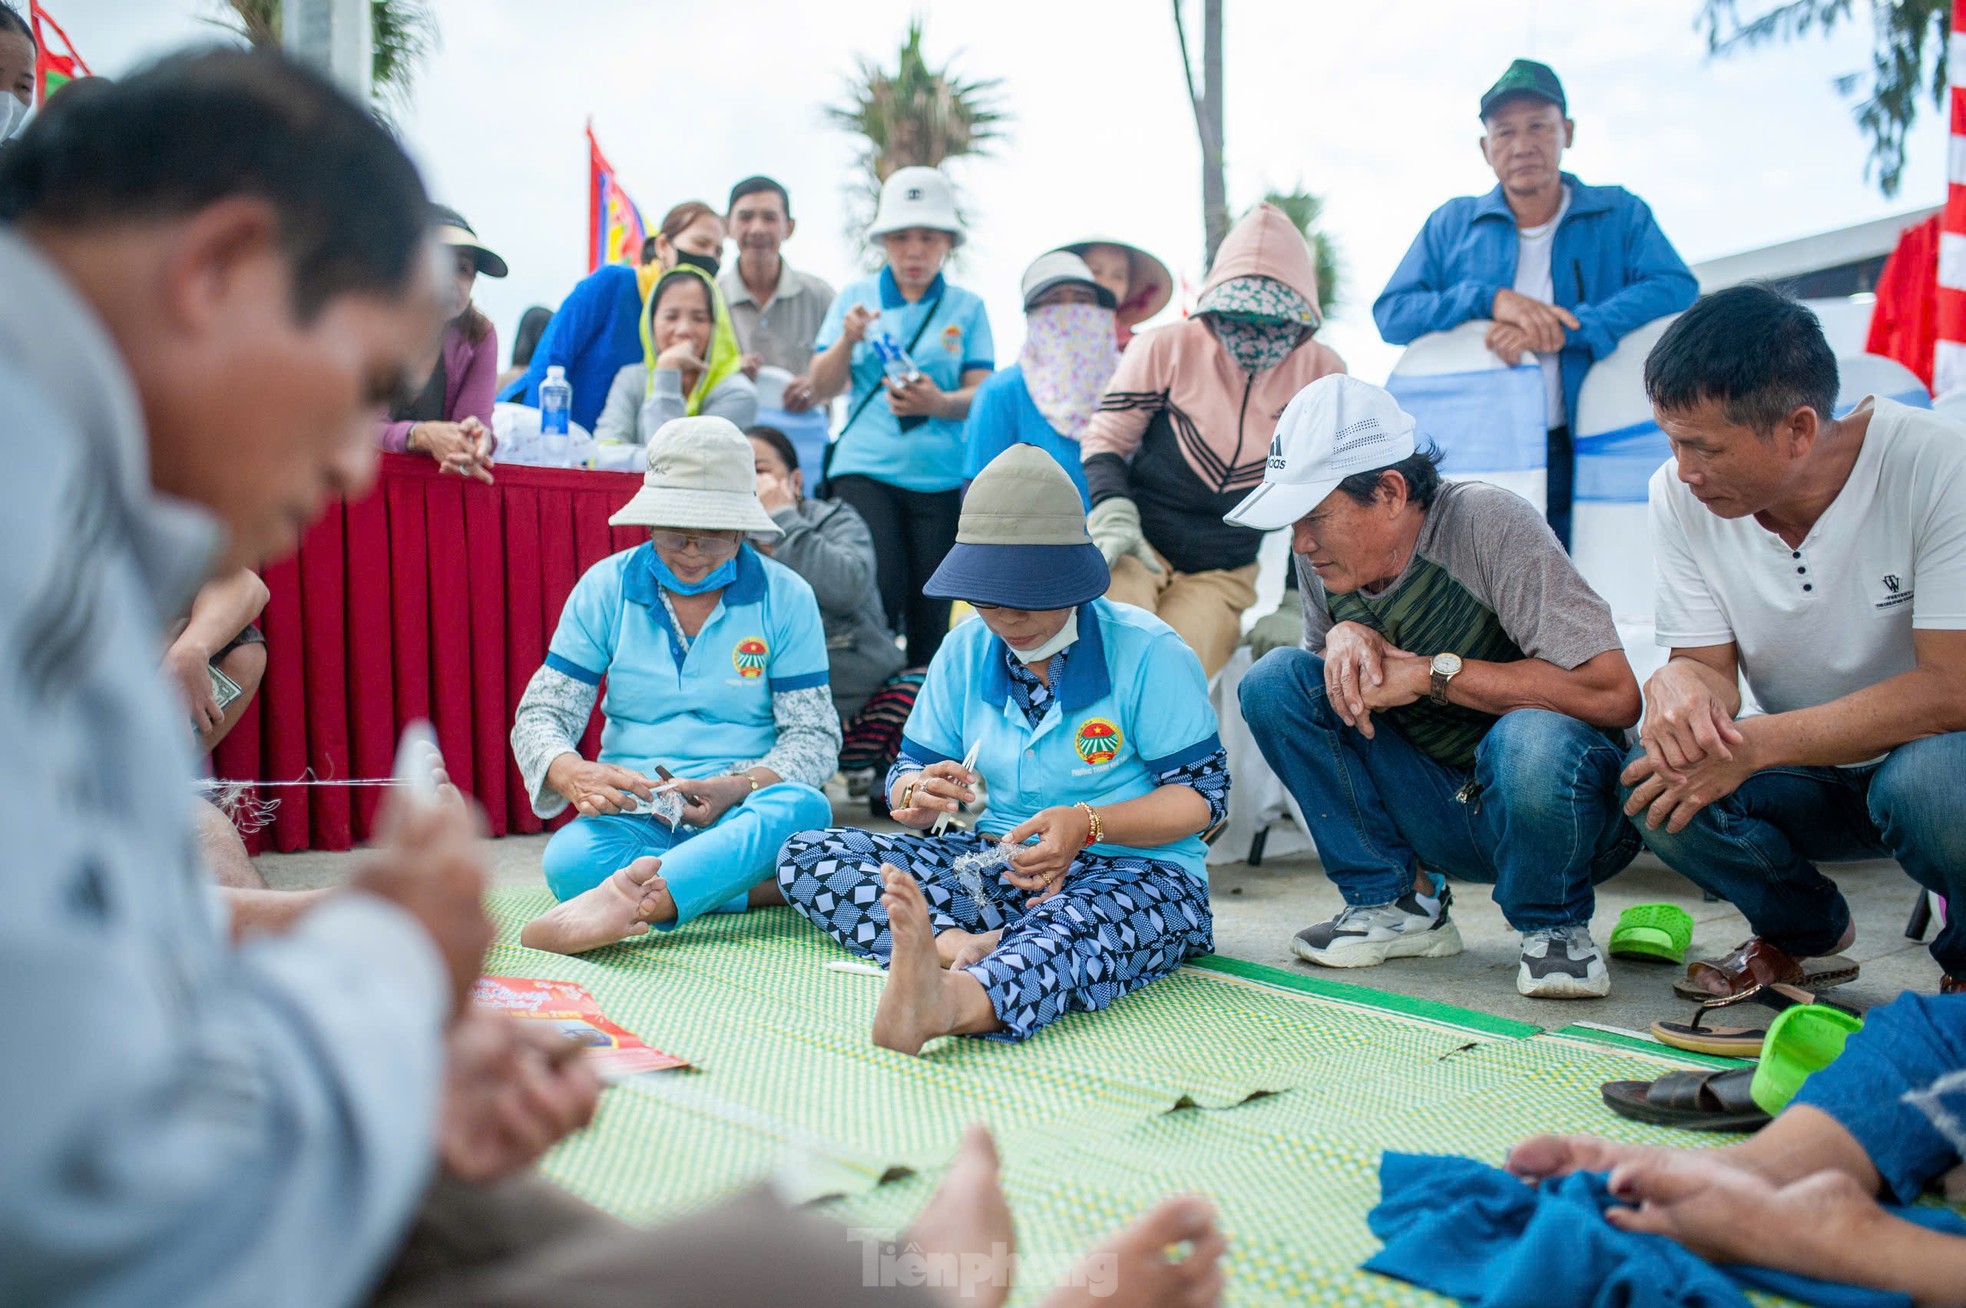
715	664
1091	722
899	459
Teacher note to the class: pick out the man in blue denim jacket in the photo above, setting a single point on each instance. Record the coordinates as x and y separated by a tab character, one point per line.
1564	269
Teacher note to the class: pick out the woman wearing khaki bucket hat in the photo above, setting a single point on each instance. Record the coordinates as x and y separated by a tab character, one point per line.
1091	722
715	664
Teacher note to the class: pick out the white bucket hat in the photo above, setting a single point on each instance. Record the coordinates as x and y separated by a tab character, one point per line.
701	475
1060	268
917	197
1336	426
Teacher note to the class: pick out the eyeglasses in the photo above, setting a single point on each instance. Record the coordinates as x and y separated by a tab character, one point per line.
718	546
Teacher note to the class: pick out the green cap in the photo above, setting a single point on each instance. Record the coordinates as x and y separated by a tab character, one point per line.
1525	77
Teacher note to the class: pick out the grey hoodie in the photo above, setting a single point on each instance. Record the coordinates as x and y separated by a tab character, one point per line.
828	544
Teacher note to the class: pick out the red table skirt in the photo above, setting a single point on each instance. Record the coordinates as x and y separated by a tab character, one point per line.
431	597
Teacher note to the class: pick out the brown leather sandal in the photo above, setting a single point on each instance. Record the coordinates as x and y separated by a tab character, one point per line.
1712	1100
1756	962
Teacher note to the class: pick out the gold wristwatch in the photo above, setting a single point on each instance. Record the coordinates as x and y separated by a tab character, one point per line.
1445	667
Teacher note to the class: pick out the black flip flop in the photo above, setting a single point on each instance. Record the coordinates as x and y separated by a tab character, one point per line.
1737	1041
1722	1041
1715	1100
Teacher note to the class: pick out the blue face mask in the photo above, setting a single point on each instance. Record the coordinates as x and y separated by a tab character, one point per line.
720	576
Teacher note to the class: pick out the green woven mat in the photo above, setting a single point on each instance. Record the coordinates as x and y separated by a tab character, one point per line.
1272	1092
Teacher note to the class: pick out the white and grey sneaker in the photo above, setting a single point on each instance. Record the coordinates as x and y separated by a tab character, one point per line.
1366	935
1562	963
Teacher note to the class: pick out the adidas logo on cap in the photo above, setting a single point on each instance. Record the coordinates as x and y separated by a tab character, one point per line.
1336	426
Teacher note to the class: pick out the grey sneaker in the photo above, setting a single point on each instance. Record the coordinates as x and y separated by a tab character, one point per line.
1562	963
1366	935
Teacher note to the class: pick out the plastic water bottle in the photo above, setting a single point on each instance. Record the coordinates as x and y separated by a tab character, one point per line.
900	369
555	413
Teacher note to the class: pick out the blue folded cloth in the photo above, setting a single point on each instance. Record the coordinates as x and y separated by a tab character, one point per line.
1474	1233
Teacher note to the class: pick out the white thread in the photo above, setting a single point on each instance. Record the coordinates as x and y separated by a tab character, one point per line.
250	813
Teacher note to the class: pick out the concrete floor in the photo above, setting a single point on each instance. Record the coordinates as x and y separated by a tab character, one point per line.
1258	908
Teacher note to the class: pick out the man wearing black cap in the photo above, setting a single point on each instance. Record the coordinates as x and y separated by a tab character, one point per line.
1564	269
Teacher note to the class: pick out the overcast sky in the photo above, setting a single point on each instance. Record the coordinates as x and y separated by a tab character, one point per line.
1371	105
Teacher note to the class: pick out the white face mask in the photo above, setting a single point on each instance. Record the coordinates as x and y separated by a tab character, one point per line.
13	114
1039	653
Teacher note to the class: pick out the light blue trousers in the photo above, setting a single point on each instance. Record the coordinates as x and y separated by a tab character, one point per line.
707	870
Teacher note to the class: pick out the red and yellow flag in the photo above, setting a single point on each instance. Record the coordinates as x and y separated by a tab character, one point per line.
615	230
52	71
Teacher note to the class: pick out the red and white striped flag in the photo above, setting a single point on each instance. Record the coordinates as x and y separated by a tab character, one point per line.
1949	356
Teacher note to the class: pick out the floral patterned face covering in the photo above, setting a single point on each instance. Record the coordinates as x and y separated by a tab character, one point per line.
1068	358
1259	320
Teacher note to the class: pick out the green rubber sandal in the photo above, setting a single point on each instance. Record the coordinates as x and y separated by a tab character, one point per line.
1800	1041
1652	933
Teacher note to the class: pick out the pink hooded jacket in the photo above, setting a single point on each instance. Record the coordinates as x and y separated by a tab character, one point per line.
1183	431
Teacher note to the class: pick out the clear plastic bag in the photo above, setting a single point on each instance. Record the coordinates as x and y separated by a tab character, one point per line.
667	805
975	869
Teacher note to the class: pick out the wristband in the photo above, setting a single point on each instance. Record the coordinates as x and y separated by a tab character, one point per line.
908	794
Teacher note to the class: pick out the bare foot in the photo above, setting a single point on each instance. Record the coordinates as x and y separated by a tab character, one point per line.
915	1004
618	909
1133	1267
965	1226
958	948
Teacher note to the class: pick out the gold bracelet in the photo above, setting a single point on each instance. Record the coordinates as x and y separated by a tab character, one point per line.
746	774
1095	826
908	795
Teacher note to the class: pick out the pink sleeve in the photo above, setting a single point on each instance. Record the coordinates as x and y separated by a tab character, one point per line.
394	437
1137	391
480	382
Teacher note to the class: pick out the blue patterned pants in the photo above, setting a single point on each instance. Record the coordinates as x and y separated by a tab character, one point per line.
1117	924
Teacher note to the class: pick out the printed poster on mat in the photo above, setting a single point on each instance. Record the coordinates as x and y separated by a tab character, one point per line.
614	1052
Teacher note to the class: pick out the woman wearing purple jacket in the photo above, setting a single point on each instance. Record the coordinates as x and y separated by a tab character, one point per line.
450	418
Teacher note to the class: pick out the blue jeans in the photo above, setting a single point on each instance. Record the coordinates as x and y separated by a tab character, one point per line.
1759	846
1543	826
710	869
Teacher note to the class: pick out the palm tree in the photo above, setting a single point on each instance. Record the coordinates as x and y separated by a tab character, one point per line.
1303	208
913	114
403	33
1908	58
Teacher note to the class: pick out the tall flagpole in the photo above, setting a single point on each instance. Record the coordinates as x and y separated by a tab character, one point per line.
1949	355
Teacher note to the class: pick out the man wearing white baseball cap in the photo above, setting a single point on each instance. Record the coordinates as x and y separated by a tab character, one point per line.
1458	705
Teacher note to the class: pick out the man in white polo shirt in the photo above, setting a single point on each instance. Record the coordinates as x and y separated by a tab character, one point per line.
1823	562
